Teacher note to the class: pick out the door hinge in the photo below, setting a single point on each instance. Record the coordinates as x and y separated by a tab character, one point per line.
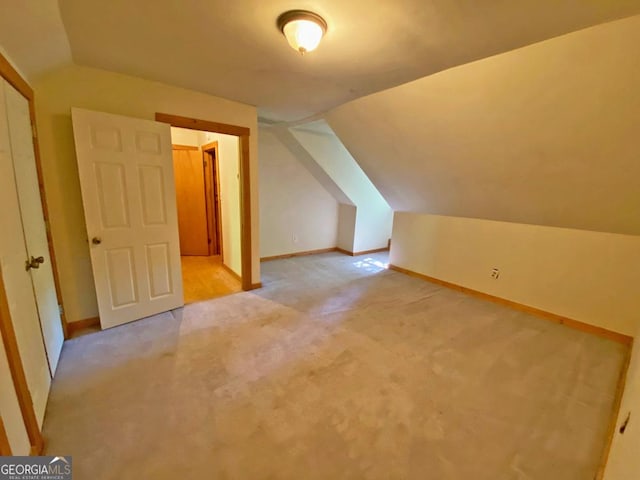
60	309
33	131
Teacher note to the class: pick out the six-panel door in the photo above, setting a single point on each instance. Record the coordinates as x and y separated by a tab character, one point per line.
128	192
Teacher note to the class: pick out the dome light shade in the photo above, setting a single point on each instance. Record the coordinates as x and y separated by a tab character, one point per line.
303	30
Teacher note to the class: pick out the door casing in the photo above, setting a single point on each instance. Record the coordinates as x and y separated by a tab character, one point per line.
212	187
7	332
245	184
15	79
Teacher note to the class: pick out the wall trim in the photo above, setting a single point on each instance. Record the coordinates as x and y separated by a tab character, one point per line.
255	286
5	446
12	76
569	322
613	422
36	451
206	125
323	250
363	252
75	327
18	376
228	269
299	254
245	180
212	190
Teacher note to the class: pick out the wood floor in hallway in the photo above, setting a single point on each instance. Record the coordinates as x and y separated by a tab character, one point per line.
204	278
337	369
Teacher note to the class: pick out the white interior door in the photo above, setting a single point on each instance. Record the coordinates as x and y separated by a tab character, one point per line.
35	233
17	281
128	191
10	409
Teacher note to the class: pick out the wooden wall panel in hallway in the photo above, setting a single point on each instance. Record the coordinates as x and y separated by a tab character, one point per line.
190	195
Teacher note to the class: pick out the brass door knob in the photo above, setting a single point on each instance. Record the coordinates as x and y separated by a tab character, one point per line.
34	263
96	240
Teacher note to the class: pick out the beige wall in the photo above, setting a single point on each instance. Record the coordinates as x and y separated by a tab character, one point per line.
374	217
624	461
292	203
185	136
588	276
110	92
229	176
347	226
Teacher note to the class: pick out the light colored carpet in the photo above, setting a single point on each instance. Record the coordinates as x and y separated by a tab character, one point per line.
337	369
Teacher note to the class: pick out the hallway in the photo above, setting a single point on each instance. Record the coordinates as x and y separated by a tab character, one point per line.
205	278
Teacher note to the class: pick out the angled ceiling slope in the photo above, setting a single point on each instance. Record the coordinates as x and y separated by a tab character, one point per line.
546	135
291	143
234	50
32	35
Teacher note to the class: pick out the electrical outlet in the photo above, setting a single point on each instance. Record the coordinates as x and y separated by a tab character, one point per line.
294	238
495	273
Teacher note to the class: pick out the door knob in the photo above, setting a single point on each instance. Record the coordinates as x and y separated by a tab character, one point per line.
96	240
33	263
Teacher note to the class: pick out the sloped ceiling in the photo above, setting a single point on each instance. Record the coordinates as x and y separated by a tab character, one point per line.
545	135
233	49
293	145
32	35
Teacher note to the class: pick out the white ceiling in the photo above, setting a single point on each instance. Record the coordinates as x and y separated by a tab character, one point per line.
233	49
32	35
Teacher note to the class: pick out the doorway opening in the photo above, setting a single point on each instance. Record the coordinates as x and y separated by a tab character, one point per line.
207	173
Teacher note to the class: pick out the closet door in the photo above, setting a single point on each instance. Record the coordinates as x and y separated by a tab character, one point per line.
17	280
26	175
10	412
190	196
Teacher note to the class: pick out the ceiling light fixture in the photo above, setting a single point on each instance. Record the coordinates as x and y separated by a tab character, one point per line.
303	29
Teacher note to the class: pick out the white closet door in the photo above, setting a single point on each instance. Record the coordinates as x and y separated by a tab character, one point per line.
24	163
129	197
10	409
18	285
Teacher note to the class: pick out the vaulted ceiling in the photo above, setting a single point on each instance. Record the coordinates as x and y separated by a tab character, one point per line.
545	135
454	107
32	34
233	49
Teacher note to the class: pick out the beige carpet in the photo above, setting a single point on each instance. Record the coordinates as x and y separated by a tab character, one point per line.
337	369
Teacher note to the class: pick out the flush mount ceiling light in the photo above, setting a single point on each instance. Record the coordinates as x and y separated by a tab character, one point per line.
303	29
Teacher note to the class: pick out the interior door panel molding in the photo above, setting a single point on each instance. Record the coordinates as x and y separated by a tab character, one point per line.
128	195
